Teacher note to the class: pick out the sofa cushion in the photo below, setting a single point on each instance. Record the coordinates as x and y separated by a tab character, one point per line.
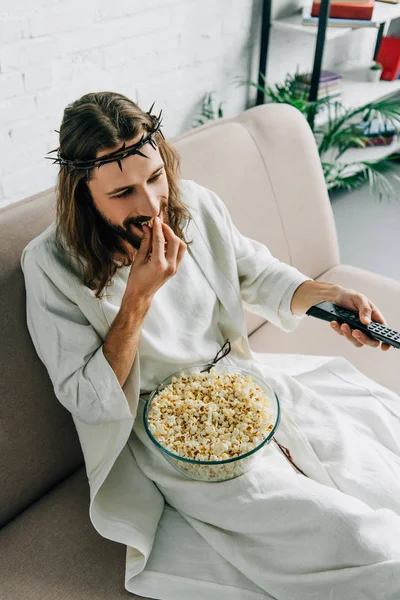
314	336
38	442
52	551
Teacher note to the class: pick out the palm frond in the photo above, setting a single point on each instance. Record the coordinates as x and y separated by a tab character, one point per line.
208	112
350	176
339	131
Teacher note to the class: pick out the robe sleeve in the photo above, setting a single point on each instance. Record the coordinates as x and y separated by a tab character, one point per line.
267	285
72	352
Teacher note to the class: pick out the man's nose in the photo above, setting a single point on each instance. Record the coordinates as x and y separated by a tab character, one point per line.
149	204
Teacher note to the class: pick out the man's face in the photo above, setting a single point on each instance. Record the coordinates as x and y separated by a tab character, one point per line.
143	194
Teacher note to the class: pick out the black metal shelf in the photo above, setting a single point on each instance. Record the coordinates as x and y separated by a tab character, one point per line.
318	54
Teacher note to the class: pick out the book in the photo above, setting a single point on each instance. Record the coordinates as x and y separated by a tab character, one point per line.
375	132
347	10
390	1
377	126
304	94
320	95
325	86
378	141
322	89
324	76
353	23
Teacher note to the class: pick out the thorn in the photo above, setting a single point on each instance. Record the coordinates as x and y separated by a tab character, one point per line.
150	109
119	164
144	156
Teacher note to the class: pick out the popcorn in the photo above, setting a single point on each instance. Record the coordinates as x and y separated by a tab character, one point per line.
211	416
149	222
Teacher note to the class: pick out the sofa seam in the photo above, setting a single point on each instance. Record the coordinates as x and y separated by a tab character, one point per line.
272	188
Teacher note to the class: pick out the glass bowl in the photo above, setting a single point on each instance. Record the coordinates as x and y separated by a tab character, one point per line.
224	469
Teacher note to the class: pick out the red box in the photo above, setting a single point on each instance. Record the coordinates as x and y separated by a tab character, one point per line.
389	57
346	10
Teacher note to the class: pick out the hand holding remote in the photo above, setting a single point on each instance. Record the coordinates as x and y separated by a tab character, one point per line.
349	323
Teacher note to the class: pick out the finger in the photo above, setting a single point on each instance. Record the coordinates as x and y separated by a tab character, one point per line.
379	318
365	339
181	252
365	310
145	242
335	326
158	241
347	333
172	243
377	315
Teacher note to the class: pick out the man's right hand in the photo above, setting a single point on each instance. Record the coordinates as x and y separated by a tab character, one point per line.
156	261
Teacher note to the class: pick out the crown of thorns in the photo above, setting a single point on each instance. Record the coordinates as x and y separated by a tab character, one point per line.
123	152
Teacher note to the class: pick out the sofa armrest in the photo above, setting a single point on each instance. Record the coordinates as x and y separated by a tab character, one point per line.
314	336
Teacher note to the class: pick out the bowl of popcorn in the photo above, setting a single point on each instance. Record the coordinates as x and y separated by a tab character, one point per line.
211	422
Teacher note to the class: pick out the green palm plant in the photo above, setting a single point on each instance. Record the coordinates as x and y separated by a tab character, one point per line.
208	111
339	132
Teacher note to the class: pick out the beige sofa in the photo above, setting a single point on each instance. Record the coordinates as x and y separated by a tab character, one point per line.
264	165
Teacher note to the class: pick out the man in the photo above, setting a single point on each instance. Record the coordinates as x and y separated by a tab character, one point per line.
115	306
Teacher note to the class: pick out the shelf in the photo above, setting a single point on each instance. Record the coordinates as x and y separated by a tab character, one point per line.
382	12
293	22
371	153
356	90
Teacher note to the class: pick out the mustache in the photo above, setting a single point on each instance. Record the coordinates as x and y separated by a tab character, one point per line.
144	219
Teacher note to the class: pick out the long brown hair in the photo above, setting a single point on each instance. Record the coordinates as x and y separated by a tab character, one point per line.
97	121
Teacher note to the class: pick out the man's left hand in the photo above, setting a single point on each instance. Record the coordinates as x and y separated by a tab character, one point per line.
367	311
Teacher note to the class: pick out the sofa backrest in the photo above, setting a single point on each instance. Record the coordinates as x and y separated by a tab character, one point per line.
264	165
38	442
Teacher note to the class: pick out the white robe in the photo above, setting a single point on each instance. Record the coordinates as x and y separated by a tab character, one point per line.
271	532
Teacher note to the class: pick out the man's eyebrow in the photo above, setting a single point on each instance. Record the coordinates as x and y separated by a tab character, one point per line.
125	187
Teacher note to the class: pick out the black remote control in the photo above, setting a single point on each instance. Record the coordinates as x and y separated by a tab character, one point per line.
331	312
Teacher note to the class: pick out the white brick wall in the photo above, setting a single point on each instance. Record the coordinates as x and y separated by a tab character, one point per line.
168	51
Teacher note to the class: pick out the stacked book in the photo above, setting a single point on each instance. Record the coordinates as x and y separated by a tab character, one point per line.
329	85
346	9
344	13
376	132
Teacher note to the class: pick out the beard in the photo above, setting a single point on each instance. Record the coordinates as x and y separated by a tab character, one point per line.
126	233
